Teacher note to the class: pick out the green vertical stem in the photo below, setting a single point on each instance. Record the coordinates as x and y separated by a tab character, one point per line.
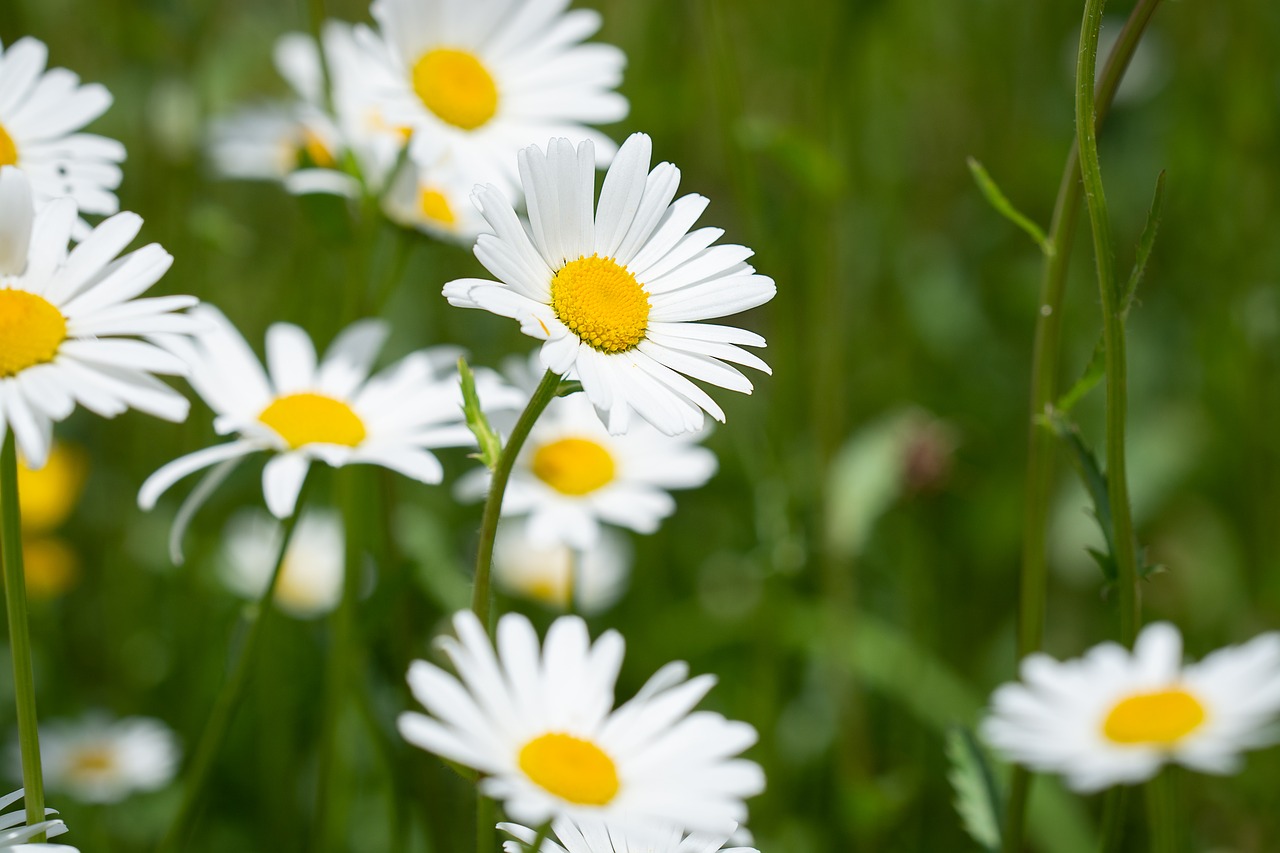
486	825
1046	366
480	593
1164	818
228	700
15	595
1112	835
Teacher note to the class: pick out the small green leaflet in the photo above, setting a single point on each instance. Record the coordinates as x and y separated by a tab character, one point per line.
1145	242
486	437
978	797
1006	209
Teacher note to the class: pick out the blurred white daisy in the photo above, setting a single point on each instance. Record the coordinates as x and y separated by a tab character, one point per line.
555	574
572	476
304	142
65	319
330	411
40	110
616	294
1115	716
436	201
101	760
478	80
15	831
310	581
598	837
542	728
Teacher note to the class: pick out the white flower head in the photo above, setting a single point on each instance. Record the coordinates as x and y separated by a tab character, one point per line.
40	111
617	292
310	581
101	760
303	409
478	80
599	837
69	320
1116	717
557	575
542	728
15	832
436	201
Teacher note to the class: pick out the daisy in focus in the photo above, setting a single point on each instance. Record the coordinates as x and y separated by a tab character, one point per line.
616	294
47	498
40	112
311	577
304	410
1116	717
590	581
69	320
15	832
572	476
542	728
478	80
100	760
596	837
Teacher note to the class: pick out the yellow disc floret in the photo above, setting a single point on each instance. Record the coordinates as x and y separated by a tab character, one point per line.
31	330
571	768
601	303
8	148
314	151
574	466
308	418
1160	718
436	208
456	86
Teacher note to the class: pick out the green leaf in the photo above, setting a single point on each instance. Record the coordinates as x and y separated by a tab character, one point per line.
1095	483
1093	373
1145	242
489	441
978	798
1006	209
567	387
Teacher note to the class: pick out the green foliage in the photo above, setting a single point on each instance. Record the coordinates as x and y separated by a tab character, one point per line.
978	796
1005	208
486	436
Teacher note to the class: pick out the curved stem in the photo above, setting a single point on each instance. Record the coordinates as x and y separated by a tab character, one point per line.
15	594
1046	363
544	394
228	700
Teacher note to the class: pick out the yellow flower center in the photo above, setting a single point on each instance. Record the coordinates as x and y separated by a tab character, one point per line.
31	330
601	303
8	149
90	762
51	567
435	208
313	419
1160	718
574	466
314	152
49	495
571	768
456	86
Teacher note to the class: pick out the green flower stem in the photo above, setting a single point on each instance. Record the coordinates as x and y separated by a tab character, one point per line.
228	700
1113	808
480	594
15	594
486	824
1164	818
1046	366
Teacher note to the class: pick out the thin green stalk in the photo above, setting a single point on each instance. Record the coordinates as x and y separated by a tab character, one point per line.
1113	819
15	595
228	700
1046	367
1164	819
486	824
544	394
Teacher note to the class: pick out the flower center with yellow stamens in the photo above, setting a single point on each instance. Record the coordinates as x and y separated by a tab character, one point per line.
601	303
436	208
91	762
313	151
48	496
571	768
574	466
8	149
31	330
313	419
1160	718
456	86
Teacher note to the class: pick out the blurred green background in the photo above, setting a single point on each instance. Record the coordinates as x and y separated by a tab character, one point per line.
850	574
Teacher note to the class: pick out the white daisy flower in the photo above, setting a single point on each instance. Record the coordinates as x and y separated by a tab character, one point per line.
556	575
436	201
616	294
481	79
572	476
15	832
542	729
331	411
66	319
1116	716
310	581
597	837
40	110
100	760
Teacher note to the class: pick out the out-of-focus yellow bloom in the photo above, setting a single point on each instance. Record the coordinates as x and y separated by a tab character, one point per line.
48	496
52	567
